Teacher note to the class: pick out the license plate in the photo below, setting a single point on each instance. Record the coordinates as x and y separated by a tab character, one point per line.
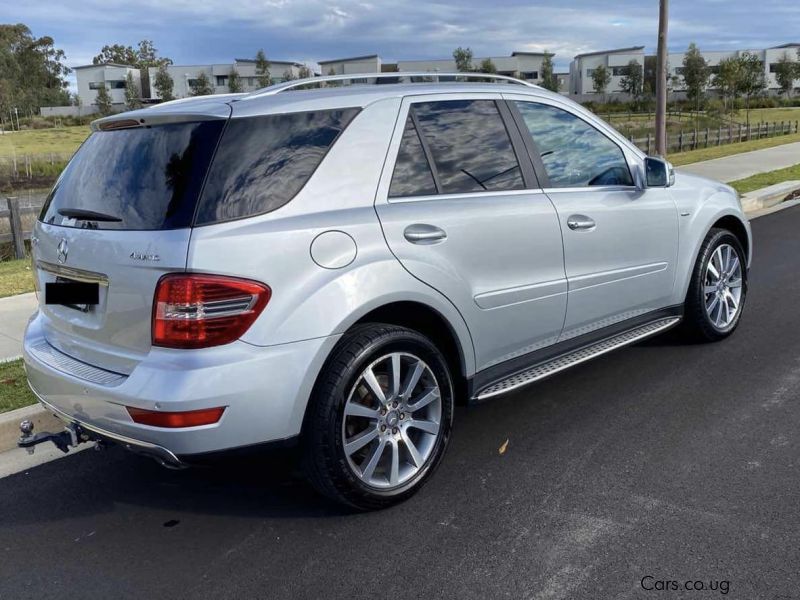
74	294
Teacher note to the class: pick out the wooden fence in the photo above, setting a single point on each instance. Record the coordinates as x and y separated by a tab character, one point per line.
730	134
13	212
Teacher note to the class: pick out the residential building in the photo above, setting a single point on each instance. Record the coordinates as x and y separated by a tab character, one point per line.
616	61
184	76
347	66
112	76
523	65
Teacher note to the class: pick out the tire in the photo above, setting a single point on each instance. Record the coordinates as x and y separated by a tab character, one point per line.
707	319
349	423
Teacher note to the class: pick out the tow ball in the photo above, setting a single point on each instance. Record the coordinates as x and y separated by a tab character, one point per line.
63	440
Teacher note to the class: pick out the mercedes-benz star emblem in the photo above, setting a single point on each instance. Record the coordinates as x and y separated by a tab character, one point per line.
62	251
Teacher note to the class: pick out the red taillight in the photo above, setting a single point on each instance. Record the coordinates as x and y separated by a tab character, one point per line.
192	310
190	418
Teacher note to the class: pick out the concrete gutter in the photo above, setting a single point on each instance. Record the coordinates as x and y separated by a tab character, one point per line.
769	196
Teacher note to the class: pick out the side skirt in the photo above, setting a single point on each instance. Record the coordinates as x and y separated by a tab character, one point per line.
522	371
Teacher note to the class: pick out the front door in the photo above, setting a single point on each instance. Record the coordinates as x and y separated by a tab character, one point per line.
620	240
465	215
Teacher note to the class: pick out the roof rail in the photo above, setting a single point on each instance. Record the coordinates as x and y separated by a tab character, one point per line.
363	78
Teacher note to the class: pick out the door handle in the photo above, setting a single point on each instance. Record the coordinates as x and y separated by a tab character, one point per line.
581	223
421	233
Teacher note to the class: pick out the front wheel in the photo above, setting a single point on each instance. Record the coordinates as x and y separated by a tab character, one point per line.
718	288
380	416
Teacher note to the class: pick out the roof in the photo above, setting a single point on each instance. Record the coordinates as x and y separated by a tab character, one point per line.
108	64
789	45
270	61
615	51
336	60
522	53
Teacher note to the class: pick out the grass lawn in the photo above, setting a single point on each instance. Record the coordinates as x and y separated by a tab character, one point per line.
762	180
770	115
15	277
62	140
684	158
14	391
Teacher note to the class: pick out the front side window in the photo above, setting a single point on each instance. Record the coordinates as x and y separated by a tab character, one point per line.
470	146
262	162
574	153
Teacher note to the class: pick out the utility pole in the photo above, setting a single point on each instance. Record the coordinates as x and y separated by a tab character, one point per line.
661	80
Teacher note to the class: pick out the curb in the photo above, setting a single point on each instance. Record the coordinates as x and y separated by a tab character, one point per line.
9	424
769	196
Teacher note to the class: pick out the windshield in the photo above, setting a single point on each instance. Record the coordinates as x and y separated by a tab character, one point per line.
144	178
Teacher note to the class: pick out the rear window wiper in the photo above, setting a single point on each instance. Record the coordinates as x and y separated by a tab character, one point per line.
87	215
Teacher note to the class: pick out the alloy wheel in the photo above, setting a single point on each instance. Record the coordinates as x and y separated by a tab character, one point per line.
722	288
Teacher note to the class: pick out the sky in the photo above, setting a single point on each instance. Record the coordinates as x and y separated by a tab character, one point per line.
217	31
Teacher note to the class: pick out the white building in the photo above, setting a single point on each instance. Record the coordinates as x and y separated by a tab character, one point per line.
184	76
523	65
615	61
90	78
346	66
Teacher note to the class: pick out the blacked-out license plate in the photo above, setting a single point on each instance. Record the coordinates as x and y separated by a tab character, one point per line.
75	294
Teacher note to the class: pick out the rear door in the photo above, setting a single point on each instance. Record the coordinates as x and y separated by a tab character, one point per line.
461	209
620	239
119	217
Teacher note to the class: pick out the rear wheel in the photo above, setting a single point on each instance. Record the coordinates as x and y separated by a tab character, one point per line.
380	416
718	288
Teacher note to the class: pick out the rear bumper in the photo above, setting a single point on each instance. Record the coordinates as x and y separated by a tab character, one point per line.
264	389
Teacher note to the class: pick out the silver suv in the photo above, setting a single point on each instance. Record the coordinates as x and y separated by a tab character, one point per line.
338	266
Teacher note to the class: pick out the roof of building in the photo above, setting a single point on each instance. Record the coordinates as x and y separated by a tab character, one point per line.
615	51
523	53
789	45
108	64
352	58
270	61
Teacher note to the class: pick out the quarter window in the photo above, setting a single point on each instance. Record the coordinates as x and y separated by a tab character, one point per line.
412	174
470	146
574	153
262	162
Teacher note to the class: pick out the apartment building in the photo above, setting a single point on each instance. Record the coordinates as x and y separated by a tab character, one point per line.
112	76
523	65
583	66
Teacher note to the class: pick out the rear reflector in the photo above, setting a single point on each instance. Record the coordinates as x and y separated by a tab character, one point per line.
191	418
192	310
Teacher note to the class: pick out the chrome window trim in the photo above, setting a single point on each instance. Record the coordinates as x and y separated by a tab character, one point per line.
464	195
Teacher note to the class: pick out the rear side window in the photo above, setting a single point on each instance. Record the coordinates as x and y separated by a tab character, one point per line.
262	162
144	178
412	174
470	146
574	153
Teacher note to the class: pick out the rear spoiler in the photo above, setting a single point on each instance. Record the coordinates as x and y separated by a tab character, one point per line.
203	108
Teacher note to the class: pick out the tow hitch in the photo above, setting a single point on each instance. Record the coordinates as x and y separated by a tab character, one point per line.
63	440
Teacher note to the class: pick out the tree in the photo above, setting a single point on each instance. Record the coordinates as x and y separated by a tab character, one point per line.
288	75
487	66
201	86
695	75
632	81
786	70
262	69
103	101
304	73
752	81
463	58
549	79
234	81
143	58
601	77
726	80
164	84
132	95
32	71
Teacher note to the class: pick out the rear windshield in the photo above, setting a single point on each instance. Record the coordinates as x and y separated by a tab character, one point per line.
144	178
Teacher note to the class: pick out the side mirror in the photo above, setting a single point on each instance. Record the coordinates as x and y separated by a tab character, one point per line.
658	172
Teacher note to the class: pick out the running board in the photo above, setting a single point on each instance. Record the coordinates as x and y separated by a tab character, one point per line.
570	359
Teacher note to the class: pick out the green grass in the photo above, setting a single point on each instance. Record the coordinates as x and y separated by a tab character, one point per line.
62	140
761	180
769	115
691	156
14	391
15	277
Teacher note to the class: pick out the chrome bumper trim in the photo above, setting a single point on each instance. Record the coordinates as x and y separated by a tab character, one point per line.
166	457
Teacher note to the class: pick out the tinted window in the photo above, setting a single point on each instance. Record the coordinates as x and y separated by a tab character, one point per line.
262	162
148	177
574	153
412	174
470	146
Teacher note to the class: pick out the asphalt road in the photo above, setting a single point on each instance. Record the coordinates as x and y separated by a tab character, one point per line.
678	462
